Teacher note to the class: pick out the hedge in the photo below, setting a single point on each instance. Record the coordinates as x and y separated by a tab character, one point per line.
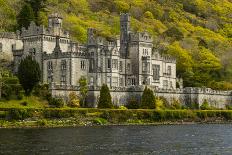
115	115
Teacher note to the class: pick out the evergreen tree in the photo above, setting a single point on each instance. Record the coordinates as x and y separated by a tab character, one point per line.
148	99
26	16
83	89
105	98
29	74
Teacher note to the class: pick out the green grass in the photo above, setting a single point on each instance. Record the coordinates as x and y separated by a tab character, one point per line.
32	102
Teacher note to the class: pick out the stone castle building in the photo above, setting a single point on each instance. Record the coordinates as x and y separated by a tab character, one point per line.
129	60
126	63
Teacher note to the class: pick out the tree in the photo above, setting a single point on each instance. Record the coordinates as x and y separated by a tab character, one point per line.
105	98
148	99
29	74
26	16
83	89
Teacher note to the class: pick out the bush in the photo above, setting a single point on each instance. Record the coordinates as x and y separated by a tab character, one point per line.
105	98
100	121
24	103
73	100
148	99
19	114
175	104
42	122
132	104
159	104
56	102
205	106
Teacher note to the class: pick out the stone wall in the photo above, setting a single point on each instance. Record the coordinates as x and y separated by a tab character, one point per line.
120	96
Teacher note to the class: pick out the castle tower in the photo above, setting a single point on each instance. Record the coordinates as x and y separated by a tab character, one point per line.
55	23
125	30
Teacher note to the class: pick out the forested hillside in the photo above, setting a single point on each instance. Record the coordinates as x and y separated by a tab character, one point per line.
197	32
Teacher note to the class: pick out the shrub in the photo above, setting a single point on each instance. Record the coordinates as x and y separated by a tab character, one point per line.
73	100
205	106
100	121
24	103
56	102
42	122
105	98
175	104
19	113
148	99
159	104
122	107
132	104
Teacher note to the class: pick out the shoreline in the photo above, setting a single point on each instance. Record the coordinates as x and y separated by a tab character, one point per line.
71	117
63	124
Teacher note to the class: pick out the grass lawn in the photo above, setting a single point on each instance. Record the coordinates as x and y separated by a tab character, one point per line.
32	102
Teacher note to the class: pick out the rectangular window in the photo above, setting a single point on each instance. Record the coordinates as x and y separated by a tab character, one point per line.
108	63
133	81
120	66
128	67
169	70
115	81
0	47
156	72
50	79
109	81
146	67
91	64
115	64
91	81
63	79
49	65
83	67
165	83
121	82
63	65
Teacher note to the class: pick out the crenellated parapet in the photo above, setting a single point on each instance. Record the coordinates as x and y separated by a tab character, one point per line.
8	35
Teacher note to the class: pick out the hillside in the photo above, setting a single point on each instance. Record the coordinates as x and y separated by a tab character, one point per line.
197	32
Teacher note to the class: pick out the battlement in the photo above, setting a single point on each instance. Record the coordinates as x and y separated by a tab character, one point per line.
55	15
125	17
8	35
141	37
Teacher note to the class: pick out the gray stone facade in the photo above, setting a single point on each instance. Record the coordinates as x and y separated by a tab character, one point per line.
126	63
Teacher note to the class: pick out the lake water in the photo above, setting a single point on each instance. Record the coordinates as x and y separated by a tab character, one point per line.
119	140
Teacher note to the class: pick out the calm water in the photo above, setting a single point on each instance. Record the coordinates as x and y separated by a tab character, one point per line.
173	139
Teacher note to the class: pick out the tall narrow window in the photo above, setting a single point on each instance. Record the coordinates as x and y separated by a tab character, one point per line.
108	63
63	79
128	67
0	47
115	64
165	83
156	72
63	65
83	67
49	65
121	82
169	70
120	66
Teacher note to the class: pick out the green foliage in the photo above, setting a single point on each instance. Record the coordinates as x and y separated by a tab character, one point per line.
148	99
20	114
25	17
105	100
73	100
29	74
100	121
132	103
202	28
83	89
205	106
56	102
